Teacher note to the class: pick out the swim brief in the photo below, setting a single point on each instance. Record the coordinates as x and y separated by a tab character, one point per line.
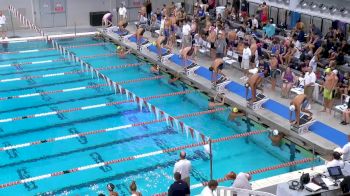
327	94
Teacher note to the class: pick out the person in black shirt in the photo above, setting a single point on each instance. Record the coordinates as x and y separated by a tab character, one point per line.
179	187
149	10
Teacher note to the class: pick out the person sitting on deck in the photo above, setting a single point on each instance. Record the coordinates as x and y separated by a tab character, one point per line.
216	69
121	52
254	82
299	104
107	20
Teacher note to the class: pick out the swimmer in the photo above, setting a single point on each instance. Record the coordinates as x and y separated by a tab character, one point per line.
110	188
276	138
139	35
212	103
254	82
121	52
122	26
299	104
186	53
98	36
154	69
216	69
107	20
161	42
235	112
173	79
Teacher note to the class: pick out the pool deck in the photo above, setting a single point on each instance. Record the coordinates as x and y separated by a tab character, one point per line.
309	140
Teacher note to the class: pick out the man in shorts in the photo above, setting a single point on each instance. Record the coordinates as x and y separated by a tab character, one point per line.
216	69
328	87
273	71
309	83
253	82
298	105
246	58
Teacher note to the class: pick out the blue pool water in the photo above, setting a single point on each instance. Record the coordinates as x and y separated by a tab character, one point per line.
153	174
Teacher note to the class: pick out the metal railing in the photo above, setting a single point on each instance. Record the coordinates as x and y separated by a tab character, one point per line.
229	191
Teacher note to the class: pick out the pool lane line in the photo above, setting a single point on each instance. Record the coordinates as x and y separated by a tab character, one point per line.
78	88
94	132
258	171
130	158
48	49
88	107
55	60
71	72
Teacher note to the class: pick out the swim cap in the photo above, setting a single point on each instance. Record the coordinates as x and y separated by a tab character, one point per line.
118	47
328	70
246	85
291	107
154	43
110	186
335	71
275	132
235	110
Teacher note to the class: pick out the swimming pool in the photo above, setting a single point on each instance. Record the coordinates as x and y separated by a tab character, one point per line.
153	174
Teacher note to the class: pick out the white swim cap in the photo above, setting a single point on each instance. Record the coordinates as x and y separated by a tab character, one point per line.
275	132
291	107
207	148
246	85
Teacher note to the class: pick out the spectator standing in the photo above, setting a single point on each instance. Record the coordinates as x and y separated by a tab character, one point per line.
183	166
133	189
3	25
288	79
210	189
186	34
244	10
309	84
221	46
255	23
179	187
148	9
247	53
122	12
313	62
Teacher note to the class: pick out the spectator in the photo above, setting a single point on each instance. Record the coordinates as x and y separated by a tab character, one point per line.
313	62
148	5
210	189
300	25
274	72
221	46
133	189
122	12
183	166
255	23
240	181
346	150
179	187
246	58
158	14
143	22
186	34
264	13
154	25
110	188
244	10
346	115
336	161
269	30
309	84
3	25
288	79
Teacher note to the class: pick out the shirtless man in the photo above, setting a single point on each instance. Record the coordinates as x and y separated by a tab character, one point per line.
121	52
185	54
155	69
298	104
328	87
254	82
212	103
232	38
139	35
216	69
211	39
236	113
160	43
122	24
167	29
276	138
107	20
254	52
273	71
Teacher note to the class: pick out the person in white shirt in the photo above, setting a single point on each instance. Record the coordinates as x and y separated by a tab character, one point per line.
336	161
3	25
183	166
345	151
255	23
186	34
309	84
247	53
107	20
210	189
240	181
122	12
313	62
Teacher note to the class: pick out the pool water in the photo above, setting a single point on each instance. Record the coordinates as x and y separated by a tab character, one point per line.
152	174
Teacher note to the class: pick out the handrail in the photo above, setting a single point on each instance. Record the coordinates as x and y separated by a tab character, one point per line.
223	191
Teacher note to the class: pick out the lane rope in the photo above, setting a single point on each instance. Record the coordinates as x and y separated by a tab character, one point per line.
94	132
78	88
88	107
115	161
71	72
258	171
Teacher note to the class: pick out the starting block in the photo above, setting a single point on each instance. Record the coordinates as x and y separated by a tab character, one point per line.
189	70
304	124
260	100
145	46
166	58
220	84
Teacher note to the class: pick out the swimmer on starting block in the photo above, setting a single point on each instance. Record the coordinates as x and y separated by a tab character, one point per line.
121	52
216	69
139	35
160	43
155	69
299	104
212	103
186	53
107	20
254	83
122	25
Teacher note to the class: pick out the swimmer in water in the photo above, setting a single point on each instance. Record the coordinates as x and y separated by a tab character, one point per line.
216	69
254	83
298	105
186	53
155	69
173	79
121	52
236	113
139	36
276	138
212	103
